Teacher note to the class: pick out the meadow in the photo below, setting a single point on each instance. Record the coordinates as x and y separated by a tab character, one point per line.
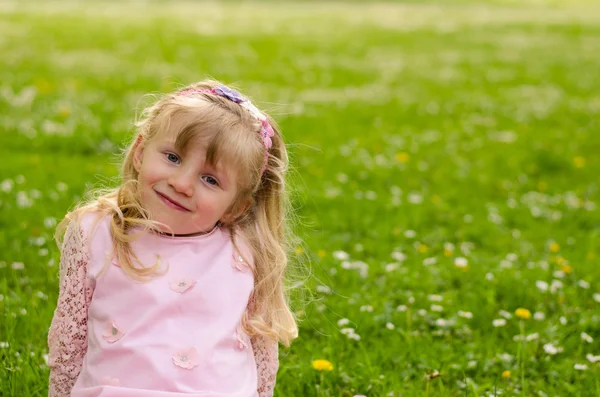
445	174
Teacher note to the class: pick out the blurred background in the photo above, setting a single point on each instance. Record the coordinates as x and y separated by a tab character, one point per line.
445	175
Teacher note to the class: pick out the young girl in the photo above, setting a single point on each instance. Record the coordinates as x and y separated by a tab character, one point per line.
172	283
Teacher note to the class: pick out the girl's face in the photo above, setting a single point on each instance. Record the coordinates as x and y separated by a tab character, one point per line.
181	190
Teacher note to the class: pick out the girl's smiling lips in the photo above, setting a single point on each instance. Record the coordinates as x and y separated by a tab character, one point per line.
172	203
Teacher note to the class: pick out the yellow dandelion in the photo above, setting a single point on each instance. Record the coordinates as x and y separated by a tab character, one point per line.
542	186
402	157
64	112
448	252
322	365
423	248
321	253
43	87
561	299
299	250
523	314
506	374
590	256
567	269
579	161
554	247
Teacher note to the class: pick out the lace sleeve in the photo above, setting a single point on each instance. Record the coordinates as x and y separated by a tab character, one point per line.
67	337
267	363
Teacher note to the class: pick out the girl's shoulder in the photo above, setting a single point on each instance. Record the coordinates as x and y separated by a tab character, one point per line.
95	228
93	223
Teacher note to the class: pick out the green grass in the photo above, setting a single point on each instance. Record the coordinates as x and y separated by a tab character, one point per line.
456	130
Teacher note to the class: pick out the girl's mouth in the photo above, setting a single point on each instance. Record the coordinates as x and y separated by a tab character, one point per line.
172	203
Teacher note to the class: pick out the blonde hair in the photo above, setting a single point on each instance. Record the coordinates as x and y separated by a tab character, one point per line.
231	134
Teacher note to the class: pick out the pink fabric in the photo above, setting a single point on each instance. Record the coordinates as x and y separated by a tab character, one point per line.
178	334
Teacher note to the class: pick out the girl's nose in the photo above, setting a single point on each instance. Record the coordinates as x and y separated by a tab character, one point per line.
182	182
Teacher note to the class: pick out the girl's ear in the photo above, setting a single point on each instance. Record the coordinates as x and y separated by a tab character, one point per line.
138	152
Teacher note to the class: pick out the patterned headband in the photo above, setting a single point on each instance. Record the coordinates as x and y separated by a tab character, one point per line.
266	131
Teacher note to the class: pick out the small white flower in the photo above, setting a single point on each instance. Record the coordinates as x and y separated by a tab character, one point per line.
461	262
584	284
366	308
580	367
530	337
551	349
563	320
539	316
18	265
558	274
436	308
422	312
465	314
410	233
597	297
505	314
586	337
415	198
341	255
555	286
429	261
343	321
399	256
499	322
435	298
541	285
401	308
440	322
6	185
323	289
511	257
506	357
489	276
390	326
504	264
4	345
591	358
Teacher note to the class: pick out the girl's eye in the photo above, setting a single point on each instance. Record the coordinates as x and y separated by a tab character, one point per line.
210	180
172	158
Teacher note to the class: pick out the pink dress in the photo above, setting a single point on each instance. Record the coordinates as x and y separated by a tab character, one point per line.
178	334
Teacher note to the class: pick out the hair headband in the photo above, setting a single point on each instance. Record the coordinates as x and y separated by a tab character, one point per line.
266	131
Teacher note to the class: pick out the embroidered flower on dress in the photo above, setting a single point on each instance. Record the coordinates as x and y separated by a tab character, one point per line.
238	262
186	358
112	333
182	284
107	380
239	335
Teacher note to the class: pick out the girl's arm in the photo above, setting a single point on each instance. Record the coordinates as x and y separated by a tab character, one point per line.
267	363
67	337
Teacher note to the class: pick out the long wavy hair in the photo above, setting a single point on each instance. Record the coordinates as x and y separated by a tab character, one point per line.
232	136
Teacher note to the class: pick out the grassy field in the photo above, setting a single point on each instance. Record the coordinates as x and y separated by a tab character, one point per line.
446	174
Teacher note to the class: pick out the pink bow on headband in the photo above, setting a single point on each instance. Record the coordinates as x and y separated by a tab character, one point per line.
266	131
